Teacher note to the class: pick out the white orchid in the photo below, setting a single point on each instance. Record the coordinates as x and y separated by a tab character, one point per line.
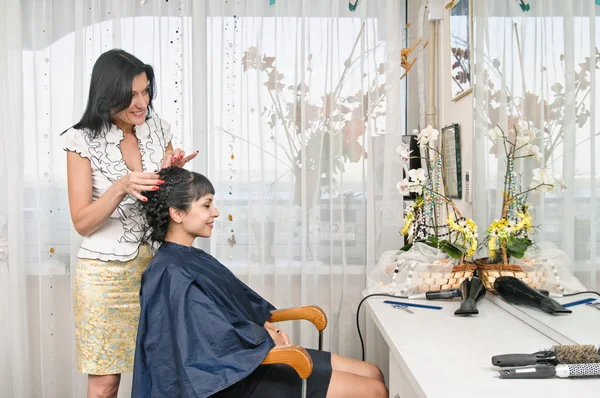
404	151
533	150
427	135
495	133
543	180
532	134
522	141
403	187
417	175
417	179
416	188
561	184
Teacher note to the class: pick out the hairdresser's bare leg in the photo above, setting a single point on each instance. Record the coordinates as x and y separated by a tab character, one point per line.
103	386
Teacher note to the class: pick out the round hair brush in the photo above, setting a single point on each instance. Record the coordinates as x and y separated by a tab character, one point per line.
547	371
558	354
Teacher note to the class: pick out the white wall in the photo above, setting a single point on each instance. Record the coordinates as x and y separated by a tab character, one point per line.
449	112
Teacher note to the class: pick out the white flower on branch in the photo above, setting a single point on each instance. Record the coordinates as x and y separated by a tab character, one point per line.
543	180
403	187
522	141
417	179
427	135
417	175
404	151
494	134
534	151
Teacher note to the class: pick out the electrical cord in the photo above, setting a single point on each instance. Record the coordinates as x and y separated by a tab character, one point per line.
586	292
362	344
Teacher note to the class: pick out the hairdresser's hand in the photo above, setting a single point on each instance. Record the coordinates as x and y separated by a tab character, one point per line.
137	181
177	158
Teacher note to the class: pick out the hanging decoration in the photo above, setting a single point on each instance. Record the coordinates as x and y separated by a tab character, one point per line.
230	75
404	54
525	5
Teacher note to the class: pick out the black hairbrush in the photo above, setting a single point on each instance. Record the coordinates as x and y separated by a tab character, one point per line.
558	354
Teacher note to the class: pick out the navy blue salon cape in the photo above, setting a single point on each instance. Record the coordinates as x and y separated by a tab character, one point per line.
201	329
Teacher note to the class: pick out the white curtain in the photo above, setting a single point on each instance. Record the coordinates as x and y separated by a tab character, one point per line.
540	66
296	109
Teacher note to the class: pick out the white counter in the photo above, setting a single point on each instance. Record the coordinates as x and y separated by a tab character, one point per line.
437	354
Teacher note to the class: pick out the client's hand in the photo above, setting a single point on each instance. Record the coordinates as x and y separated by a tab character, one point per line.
276	337
279	337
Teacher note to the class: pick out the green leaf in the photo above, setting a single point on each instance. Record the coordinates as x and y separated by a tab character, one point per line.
516	247
452	249
406	247
434	240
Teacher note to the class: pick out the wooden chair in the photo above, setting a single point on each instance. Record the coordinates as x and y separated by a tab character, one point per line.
293	355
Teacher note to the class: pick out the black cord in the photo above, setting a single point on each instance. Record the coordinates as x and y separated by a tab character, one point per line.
586	292
362	344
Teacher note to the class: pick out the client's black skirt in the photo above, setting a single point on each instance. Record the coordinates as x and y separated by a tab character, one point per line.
282	381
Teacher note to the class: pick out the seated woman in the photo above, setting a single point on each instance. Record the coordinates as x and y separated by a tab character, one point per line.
203	332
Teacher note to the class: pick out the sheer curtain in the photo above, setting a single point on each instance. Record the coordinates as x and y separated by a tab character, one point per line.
296	109
303	96
540	67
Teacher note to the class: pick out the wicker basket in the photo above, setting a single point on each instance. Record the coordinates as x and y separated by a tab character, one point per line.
438	278
531	275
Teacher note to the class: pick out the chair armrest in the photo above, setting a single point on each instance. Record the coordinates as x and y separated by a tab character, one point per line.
292	355
311	313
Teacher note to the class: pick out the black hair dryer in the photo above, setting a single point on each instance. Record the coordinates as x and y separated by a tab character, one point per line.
515	291
472	291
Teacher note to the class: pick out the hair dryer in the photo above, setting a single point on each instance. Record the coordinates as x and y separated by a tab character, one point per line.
515	291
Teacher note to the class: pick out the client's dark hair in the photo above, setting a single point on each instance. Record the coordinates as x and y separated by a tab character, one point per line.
181	188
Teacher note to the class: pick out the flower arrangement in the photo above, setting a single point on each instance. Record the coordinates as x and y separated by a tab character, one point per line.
510	235
424	219
307	129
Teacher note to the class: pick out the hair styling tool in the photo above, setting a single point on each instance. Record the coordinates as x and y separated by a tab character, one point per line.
472	291
579	302
402	303
403	308
449	294
558	354
546	371
515	291
446	294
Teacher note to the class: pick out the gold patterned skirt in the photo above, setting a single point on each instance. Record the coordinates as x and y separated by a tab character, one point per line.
107	311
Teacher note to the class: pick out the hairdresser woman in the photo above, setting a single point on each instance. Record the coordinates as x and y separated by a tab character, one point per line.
113	154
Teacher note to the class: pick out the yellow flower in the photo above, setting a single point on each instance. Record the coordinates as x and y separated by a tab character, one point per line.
524	222
467	229
492	245
408	220
499	225
452	224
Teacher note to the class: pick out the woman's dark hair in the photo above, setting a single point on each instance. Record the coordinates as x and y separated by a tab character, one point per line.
110	89
181	188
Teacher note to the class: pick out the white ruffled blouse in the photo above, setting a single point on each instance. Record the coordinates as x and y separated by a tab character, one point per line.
120	236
